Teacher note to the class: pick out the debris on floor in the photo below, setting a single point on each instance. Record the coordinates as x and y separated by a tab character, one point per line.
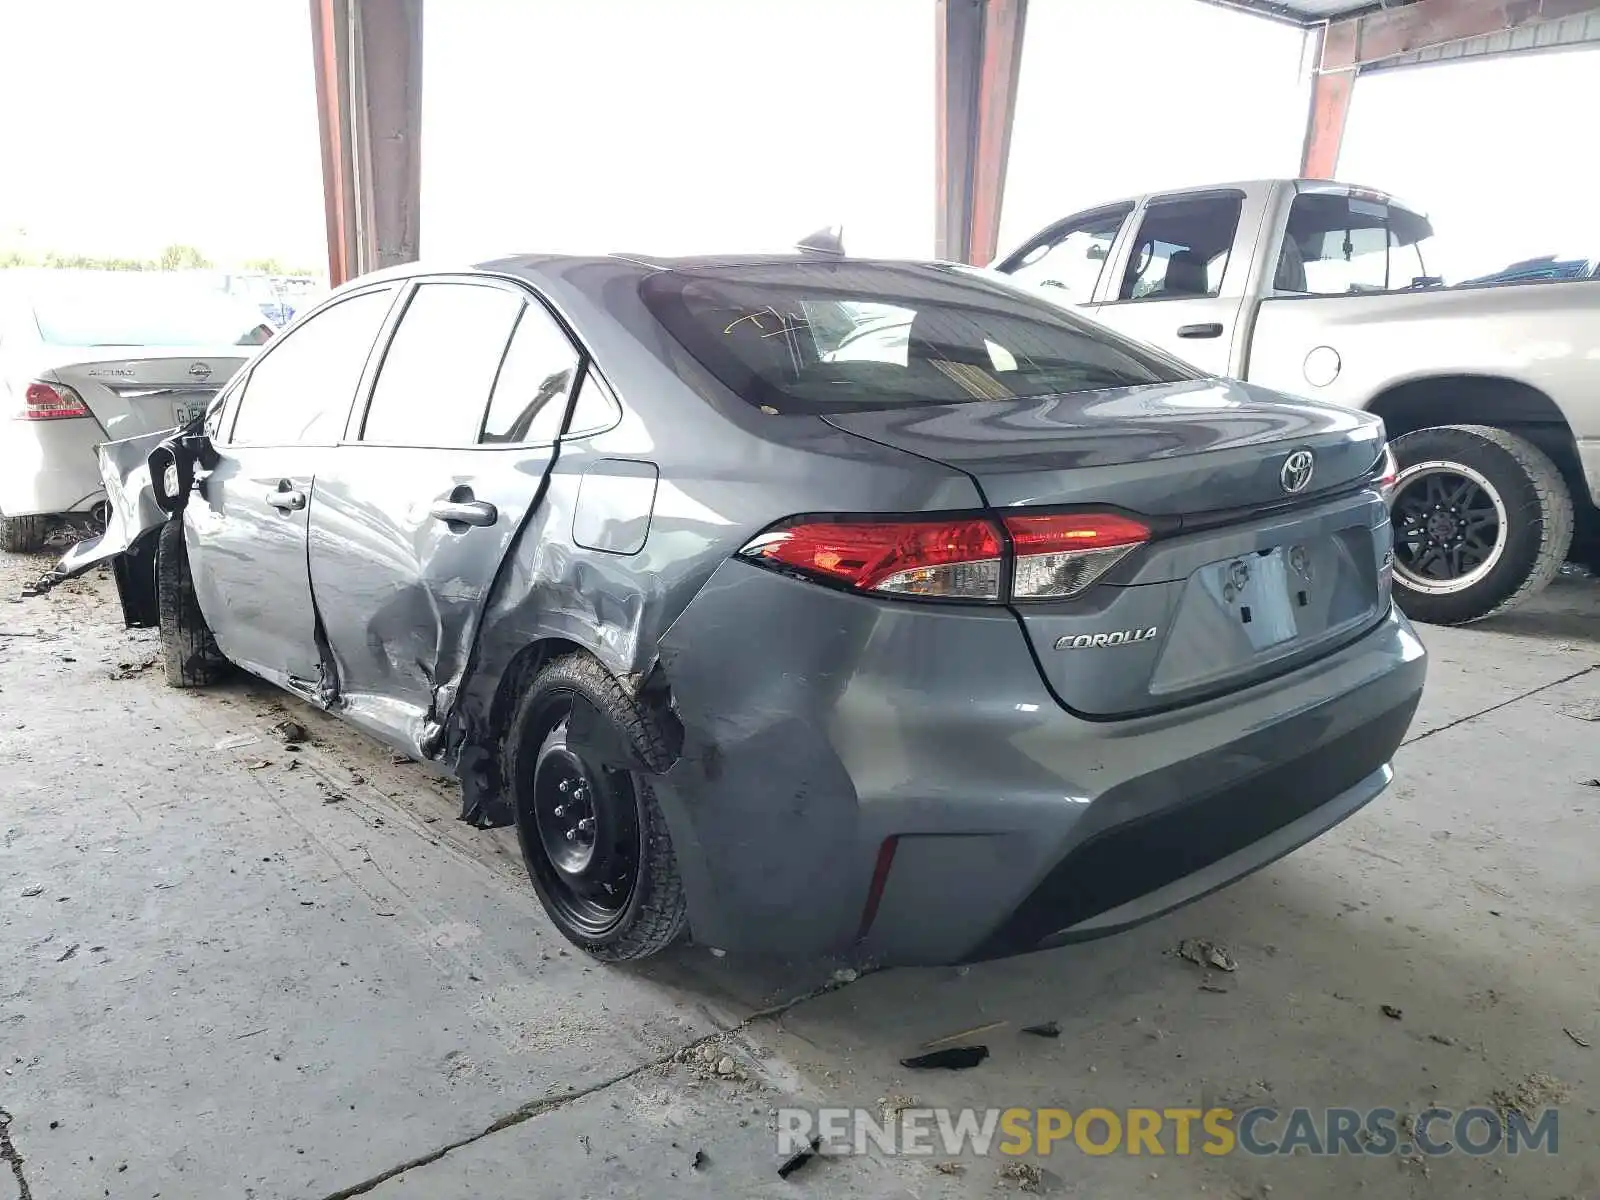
127	670
1581	712
950	1168
1048	1029
955	1058
798	1159
699	1161
1529	1095
895	1104
260	764
1390	1011
962	1034
846	975
1576	1039
29	893
1204	953
1026	1176
710	1061
290	732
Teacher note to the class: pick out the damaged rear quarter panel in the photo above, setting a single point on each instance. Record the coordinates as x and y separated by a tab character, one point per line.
726	471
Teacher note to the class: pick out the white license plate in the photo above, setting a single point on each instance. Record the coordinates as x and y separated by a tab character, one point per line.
182	414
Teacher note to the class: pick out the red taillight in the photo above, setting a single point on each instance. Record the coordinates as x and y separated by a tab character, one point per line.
51	402
1056	557
951	560
1060	556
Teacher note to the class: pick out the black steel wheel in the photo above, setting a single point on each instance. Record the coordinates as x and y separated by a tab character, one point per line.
593	838
1481	518
585	818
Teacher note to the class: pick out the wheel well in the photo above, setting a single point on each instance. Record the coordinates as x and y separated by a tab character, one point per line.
1487	400
519	673
1466	400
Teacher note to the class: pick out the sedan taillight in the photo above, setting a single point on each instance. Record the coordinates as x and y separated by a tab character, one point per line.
1054	557
946	560
1059	557
51	402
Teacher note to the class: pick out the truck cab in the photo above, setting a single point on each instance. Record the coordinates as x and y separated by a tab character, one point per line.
1488	389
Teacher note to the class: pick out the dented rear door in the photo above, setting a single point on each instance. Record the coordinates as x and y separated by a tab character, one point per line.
245	524
416	510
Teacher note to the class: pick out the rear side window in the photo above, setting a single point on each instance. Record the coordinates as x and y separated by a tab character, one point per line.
301	389
441	365
530	396
816	337
1337	245
1181	251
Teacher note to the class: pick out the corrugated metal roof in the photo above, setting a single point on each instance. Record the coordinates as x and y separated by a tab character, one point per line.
1307	12
1578	30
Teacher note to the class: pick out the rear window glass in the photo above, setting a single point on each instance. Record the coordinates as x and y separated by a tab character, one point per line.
814	337
132	308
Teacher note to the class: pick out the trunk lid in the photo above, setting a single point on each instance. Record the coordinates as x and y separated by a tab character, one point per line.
1243	579
131	392
1160	450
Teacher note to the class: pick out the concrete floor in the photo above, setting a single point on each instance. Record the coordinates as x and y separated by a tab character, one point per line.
254	973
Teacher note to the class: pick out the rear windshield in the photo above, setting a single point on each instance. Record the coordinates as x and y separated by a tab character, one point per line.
135	309
815	337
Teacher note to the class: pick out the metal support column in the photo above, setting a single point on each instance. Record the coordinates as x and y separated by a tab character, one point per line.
979	53
368	56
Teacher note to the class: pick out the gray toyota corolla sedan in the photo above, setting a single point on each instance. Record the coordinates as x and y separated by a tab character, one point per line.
799	604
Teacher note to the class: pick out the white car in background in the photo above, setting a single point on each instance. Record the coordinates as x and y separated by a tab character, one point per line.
96	356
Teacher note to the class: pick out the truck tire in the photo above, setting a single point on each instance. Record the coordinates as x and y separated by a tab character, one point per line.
189	654
1482	520
23	535
593	836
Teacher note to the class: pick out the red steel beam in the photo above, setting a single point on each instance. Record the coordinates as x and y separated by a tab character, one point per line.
330	52
1351	44
1426	23
1330	102
368	57
1003	25
978	55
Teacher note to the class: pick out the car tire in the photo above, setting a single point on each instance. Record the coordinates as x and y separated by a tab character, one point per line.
23	535
1482	521
617	896
189	654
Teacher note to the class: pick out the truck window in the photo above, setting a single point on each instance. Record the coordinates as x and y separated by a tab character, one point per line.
1337	245
1070	259
1182	248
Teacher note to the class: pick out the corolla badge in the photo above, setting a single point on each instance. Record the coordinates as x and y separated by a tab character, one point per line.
200	371
1297	471
1123	637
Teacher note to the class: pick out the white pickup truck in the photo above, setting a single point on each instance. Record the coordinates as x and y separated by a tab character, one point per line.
1491	394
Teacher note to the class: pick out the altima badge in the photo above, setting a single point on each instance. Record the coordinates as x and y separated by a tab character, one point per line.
1123	637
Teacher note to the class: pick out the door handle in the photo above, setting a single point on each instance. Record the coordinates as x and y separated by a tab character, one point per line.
286	499
1209	330
464	512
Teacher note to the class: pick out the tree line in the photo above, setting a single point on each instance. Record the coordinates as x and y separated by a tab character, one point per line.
173	258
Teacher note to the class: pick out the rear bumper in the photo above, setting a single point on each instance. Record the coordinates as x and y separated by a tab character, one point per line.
49	467
818	726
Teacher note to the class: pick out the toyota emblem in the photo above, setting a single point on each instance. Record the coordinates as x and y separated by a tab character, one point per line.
1297	471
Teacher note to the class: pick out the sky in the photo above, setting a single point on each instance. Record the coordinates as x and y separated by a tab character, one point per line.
732	124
